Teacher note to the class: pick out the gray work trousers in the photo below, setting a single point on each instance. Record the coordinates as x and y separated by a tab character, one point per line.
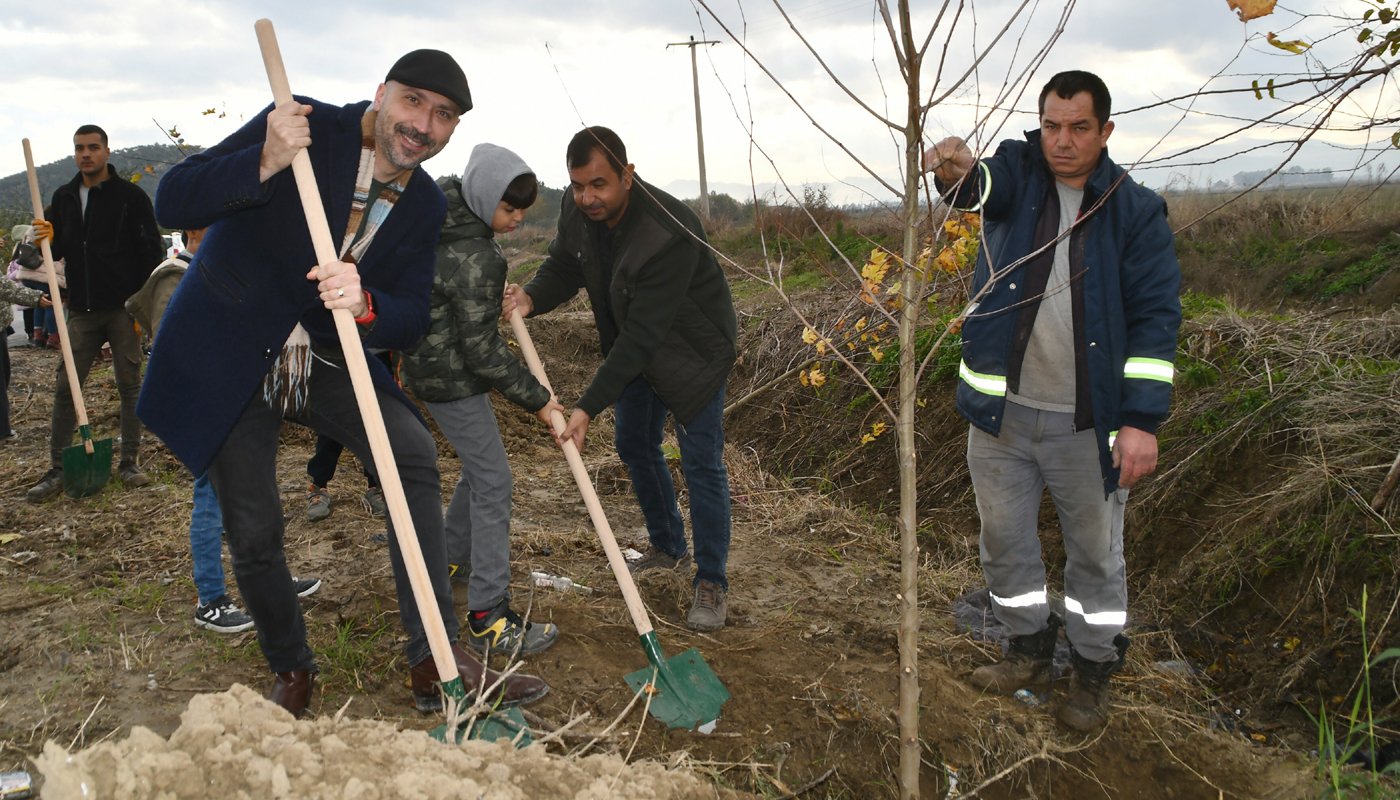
477	521
87	332
1038	450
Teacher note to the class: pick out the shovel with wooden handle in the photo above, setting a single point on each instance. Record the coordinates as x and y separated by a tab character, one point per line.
685	692
404	534
88	466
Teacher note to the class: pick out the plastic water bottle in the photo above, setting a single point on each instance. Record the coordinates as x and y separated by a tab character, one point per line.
563	584
1028	697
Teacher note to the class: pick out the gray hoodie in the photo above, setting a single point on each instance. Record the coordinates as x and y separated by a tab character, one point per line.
463	353
489	171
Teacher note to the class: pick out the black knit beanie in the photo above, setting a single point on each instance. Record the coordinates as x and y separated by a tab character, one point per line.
435	71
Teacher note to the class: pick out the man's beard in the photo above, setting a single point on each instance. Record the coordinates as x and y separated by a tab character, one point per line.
387	133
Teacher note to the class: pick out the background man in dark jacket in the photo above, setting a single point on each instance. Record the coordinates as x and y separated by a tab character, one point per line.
104	227
667	328
1066	374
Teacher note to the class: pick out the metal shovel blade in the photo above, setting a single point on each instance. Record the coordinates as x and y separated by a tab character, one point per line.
685	692
85	474
502	723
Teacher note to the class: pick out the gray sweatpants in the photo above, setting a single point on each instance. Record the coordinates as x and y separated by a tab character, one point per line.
1038	450
477	522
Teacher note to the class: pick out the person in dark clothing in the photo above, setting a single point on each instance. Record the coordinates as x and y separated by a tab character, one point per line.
255	295
667	329
1066	374
104	228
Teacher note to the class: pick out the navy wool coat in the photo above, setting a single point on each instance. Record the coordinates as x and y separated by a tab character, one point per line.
246	288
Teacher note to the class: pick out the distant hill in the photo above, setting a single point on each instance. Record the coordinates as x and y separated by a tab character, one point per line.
149	161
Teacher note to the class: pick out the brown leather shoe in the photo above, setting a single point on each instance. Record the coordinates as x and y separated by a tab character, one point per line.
516	690
292	691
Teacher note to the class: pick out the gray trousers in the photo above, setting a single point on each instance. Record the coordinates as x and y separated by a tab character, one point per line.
1038	450
87	332
477	521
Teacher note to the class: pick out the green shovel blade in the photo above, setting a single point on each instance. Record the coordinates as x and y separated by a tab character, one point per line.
504	723
85	474
685	692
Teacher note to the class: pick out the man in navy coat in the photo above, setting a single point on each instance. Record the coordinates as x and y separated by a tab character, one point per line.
254	279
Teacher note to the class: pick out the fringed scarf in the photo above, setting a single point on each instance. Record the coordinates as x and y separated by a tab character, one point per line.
285	386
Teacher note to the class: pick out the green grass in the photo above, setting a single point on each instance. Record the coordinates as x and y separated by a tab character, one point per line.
1356	734
355	651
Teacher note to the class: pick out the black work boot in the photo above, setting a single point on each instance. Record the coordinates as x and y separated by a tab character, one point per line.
1027	662
1086	708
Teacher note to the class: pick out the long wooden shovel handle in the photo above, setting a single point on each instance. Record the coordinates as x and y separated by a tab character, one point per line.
361	381
69	365
585	487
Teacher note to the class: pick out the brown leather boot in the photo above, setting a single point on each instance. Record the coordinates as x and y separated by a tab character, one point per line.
516	690
292	691
1087	706
1027	662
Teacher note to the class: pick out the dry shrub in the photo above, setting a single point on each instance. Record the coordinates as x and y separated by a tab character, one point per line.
1281	433
1282	213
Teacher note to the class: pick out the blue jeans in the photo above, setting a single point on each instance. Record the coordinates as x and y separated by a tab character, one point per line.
641	420
207	542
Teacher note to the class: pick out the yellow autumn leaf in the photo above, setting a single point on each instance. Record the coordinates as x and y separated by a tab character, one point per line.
866	438
879	428
821	347
1294	46
1251	9
877	354
802	378
809	336
6	538
861	323
875	269
816	376
1291	643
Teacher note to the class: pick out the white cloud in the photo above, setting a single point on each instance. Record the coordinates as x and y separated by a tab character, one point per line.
540	70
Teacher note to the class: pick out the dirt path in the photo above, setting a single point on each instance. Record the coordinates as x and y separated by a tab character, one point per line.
96	634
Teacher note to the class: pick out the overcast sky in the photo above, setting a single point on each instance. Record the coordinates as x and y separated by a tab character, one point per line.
541	69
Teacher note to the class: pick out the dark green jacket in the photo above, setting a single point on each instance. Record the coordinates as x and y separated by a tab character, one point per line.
464	354
672	319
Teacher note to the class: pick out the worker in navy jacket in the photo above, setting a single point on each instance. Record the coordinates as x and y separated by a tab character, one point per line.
220	379
1066	374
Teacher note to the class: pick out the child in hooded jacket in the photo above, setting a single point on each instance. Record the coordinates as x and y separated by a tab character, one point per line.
453	369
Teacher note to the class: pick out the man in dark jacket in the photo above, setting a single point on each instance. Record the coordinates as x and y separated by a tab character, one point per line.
254	284
104	227
1066	374
667	328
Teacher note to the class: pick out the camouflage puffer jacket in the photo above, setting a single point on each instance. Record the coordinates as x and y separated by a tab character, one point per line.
464	353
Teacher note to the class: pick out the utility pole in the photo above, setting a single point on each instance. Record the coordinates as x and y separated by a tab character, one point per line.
699	132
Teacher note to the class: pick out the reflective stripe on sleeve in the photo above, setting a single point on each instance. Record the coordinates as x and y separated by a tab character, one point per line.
1150	369
986	187
1118	618
1021	600
994	385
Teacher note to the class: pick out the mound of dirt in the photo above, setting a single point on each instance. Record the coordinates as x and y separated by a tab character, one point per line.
236	744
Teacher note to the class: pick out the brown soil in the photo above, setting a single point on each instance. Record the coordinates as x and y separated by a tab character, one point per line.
96	601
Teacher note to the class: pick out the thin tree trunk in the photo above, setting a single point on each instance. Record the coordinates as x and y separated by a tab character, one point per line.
1387	485
910	749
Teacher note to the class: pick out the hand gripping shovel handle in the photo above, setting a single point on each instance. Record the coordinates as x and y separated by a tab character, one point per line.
585	487
68	364
361	381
